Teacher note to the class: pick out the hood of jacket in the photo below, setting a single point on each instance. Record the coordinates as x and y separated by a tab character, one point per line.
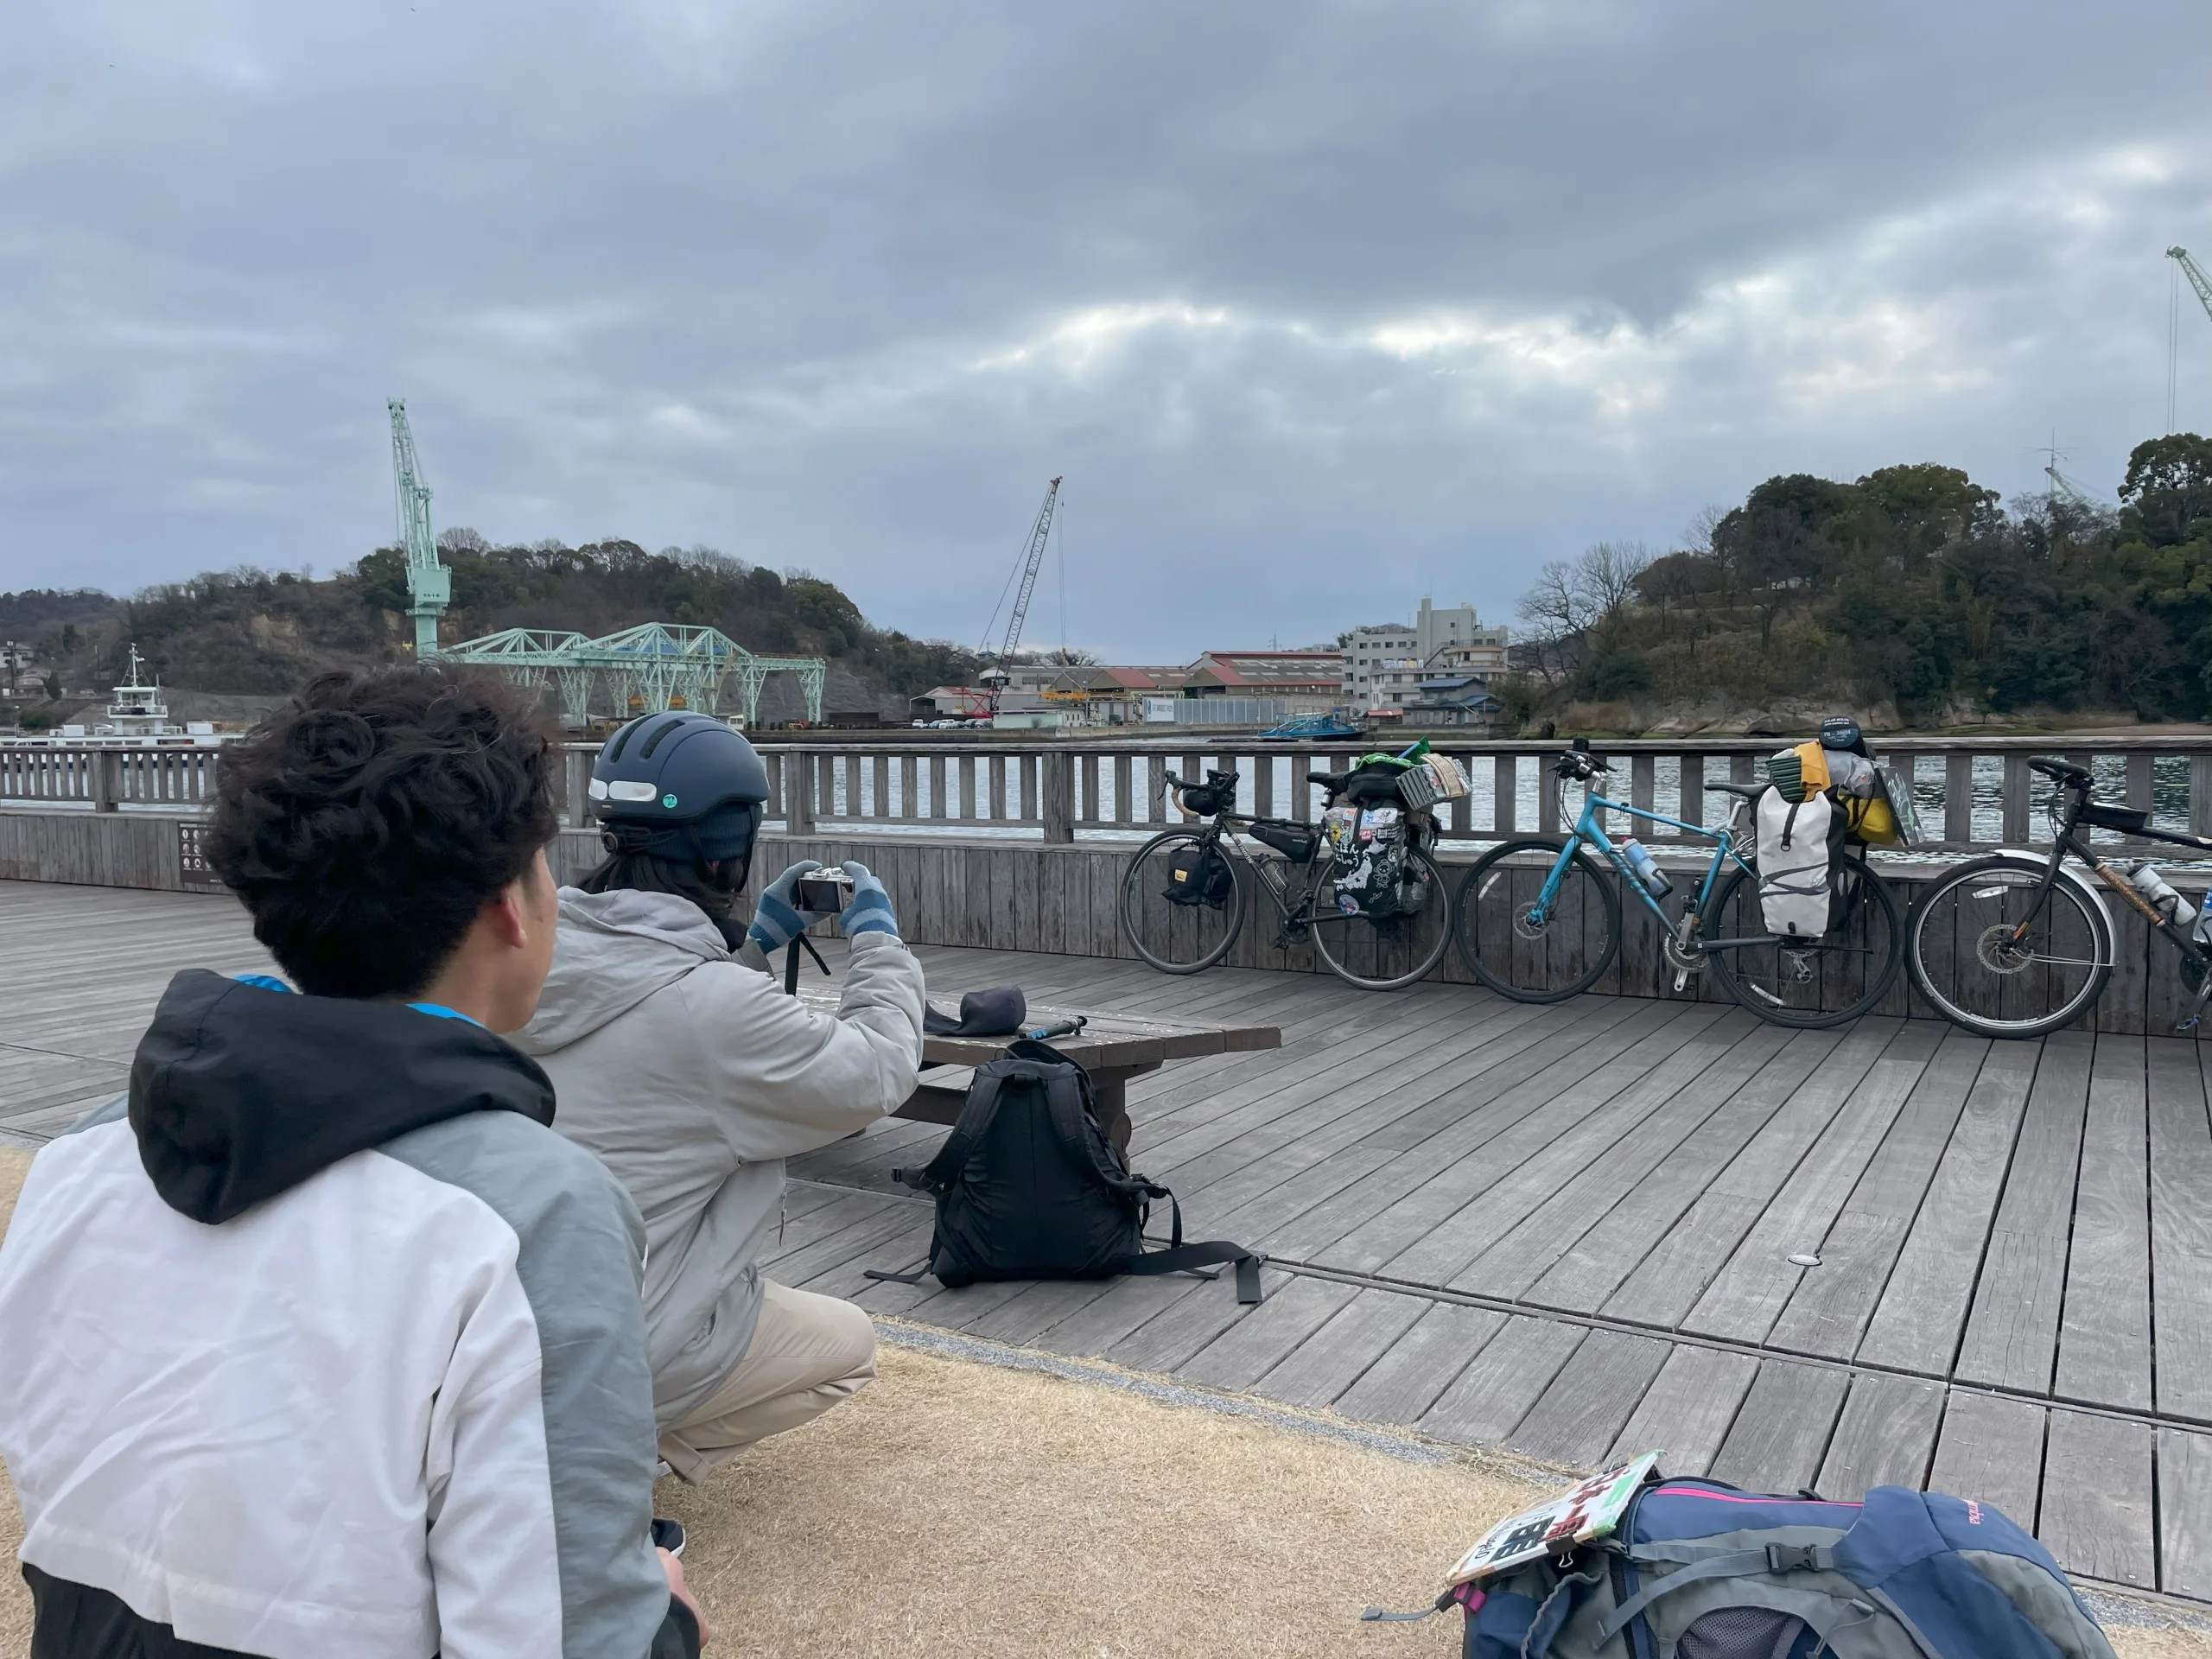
613	952
239	1092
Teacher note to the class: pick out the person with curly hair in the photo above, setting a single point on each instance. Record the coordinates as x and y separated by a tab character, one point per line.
321	1341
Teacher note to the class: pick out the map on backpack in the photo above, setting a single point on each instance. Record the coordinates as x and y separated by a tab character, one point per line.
1590	1509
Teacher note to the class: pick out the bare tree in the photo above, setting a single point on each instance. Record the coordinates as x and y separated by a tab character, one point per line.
1572	601
1554	615
1606	573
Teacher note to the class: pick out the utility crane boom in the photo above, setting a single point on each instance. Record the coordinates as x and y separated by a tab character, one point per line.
1032	556
430	584
2195	272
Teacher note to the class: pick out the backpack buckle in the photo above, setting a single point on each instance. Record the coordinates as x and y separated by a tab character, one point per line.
1792	1558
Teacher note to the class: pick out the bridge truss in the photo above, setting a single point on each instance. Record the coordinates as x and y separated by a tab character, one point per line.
651	667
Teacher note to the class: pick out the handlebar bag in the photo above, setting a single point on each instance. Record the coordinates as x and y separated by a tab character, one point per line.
1800	853
1198	875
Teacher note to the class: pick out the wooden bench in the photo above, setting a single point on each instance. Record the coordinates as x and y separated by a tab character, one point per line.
1112	1047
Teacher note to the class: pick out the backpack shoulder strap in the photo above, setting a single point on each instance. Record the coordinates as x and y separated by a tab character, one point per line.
974	1123
1184	1258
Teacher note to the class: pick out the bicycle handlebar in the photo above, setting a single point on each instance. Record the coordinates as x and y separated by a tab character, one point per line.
2062	772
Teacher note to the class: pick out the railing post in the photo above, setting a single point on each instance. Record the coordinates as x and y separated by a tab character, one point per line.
799	792
1689	773
2013	797
1958	799
107	780
576	764
1057	787
2200	794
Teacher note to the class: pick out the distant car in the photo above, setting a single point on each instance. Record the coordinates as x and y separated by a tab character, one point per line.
1309	729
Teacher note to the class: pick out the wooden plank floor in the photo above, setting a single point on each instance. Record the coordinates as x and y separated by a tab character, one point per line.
1563	1229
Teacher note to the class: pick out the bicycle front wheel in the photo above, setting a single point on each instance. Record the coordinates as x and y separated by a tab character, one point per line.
1164	928
1967	960
1530	953
1385	953
1808	983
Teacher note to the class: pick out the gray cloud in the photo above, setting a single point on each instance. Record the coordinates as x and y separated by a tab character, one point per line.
1318	306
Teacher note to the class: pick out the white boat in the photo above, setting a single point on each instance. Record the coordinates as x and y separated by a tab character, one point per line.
136	718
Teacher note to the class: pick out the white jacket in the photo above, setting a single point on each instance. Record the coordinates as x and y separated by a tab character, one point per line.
693	1077
331	1350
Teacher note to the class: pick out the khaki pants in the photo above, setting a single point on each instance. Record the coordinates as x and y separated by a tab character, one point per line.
808	1352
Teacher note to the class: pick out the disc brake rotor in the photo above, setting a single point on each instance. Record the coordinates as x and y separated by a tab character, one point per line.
2000	952
1528	924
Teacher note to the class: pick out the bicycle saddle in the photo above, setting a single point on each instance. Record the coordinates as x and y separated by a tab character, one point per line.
1749	792
1334	782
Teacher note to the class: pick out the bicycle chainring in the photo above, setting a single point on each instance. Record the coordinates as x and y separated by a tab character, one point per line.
1998	951
1684	954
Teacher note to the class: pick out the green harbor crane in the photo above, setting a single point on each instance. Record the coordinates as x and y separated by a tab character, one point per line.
430	584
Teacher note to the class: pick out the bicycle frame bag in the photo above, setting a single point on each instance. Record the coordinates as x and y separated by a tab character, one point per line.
1800	851
2128	820
1028	1186
1370	866
1198	875
1296	841
1700	1570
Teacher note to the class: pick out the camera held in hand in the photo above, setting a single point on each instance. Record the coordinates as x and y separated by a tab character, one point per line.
824	893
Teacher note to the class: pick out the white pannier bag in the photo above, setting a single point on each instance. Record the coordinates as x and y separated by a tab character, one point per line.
1796	884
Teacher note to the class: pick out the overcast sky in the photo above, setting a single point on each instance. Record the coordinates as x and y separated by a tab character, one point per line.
1318	308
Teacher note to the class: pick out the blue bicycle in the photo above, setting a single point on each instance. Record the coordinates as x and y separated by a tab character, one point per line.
1539	919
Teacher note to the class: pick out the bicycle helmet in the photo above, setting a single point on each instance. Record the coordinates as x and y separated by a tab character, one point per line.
681	785
1841	731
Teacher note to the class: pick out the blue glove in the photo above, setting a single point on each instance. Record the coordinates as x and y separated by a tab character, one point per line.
776	920
870	911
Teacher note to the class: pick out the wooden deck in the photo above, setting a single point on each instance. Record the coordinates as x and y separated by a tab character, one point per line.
1562	1230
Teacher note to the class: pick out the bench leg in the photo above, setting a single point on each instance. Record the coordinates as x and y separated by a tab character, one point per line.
1109	1092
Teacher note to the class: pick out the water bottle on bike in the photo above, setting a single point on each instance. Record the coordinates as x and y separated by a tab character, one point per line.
1646	867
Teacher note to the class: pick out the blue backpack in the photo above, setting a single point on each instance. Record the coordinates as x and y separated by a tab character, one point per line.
1699	1570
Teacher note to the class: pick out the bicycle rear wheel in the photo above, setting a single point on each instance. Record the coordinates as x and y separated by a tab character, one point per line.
1528	957
1177	938
1966	961
1385	953
1807	983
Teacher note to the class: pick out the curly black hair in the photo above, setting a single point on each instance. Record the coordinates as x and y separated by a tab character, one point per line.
365	825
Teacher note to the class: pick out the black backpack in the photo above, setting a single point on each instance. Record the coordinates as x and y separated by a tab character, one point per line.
1027	1186
1198	874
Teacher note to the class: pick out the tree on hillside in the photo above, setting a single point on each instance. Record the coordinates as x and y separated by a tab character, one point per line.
1914	584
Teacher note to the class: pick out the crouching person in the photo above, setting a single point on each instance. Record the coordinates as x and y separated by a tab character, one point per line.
680	1062
328	1344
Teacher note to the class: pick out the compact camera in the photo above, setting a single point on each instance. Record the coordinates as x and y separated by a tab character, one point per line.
824	893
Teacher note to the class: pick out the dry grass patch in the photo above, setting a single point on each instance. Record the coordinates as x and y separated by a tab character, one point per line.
964	1508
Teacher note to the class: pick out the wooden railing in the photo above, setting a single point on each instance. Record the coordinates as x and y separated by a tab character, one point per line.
1970	792
107	779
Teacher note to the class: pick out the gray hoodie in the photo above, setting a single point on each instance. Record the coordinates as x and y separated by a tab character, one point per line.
693	1077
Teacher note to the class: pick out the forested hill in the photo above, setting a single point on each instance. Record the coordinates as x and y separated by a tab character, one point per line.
1911	587
257	630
